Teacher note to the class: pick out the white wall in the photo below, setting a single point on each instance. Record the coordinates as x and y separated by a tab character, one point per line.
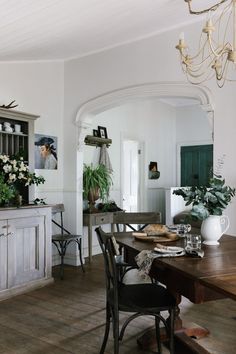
145	121
192	125
38	89
150	60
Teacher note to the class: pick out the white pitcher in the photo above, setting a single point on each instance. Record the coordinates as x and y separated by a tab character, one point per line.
213	228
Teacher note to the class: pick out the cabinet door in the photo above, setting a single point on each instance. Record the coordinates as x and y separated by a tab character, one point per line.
3	254
26	258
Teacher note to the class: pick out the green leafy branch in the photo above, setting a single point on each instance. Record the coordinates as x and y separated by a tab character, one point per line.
207	200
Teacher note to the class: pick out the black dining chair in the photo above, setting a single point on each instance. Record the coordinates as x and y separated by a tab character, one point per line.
64	238
139	299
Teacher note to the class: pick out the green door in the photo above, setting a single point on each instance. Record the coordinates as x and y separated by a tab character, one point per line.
196	165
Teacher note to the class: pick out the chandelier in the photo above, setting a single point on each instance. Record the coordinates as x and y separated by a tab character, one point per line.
216	55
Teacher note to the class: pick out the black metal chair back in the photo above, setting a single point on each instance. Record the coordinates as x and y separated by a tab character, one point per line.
139	299
64	238
112	273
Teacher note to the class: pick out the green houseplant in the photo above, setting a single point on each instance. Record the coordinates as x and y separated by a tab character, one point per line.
207	200
96	184
6	192
208	203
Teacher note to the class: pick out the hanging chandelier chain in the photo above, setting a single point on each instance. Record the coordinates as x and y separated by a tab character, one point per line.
216	54
211	8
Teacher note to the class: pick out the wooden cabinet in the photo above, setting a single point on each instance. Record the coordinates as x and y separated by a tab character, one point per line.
19	141
25	249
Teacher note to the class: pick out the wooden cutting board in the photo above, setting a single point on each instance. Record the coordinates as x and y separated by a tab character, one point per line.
168	237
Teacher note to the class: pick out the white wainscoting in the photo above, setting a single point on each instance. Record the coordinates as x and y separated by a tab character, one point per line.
156	201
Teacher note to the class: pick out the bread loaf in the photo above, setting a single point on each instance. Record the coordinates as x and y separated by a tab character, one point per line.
155	229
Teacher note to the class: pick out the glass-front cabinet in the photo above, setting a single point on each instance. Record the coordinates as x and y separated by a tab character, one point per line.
17	138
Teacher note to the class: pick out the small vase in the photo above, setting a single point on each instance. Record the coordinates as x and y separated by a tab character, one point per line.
92	197
213	228
19	200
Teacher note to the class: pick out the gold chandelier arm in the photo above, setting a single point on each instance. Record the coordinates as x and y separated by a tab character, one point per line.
189	77
211	8
194	72
221	51
188	61
216	53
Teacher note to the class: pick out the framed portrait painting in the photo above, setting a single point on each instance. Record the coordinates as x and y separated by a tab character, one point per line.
45	152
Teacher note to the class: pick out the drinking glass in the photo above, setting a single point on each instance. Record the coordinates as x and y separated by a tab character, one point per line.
193	242
183	229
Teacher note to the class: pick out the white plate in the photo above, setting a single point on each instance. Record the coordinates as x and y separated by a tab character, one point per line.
170	249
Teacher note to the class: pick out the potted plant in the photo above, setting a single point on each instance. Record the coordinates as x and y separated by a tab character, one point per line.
7	193
96	184
208	203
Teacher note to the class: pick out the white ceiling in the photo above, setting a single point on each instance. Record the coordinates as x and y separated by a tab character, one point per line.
64	29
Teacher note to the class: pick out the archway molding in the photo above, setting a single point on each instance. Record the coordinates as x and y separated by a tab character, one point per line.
111	99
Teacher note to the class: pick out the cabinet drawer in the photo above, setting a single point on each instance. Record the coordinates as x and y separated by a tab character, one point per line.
103	219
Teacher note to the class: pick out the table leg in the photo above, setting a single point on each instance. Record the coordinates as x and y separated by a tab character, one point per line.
90	232
183	335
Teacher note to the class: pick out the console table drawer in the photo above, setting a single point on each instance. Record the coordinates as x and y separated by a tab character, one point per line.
95	219
103	219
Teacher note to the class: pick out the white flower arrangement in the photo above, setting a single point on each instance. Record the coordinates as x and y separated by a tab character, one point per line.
16	171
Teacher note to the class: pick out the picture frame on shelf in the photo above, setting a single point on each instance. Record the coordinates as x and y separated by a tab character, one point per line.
102	132
95	132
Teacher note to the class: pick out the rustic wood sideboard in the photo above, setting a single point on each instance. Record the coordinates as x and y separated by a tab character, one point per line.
25	249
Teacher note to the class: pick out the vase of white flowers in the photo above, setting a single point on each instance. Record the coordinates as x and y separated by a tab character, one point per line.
15	174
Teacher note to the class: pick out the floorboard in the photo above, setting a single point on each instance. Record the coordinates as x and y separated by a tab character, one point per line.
68	317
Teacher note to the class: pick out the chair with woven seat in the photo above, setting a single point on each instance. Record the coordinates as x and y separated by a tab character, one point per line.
139	299
64	238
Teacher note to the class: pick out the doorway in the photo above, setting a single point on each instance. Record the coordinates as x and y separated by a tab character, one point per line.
91	107
196	165
131	175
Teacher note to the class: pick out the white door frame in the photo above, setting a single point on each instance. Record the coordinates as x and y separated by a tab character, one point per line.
141	202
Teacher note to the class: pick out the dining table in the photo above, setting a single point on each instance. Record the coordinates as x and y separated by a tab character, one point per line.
211	277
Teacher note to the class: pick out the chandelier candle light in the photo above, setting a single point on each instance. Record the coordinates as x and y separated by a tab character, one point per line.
217	47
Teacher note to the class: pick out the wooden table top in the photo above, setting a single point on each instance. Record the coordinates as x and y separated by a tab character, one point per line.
224	284
216	270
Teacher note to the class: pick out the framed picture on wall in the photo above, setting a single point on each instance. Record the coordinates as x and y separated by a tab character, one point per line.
153	171
102	132
45	152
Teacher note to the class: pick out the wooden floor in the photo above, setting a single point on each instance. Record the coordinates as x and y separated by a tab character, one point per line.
68	317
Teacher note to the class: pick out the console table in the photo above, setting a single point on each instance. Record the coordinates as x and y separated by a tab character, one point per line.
116	218
96	219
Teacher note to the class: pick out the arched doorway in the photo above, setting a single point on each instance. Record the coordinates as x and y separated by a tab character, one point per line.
91	108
